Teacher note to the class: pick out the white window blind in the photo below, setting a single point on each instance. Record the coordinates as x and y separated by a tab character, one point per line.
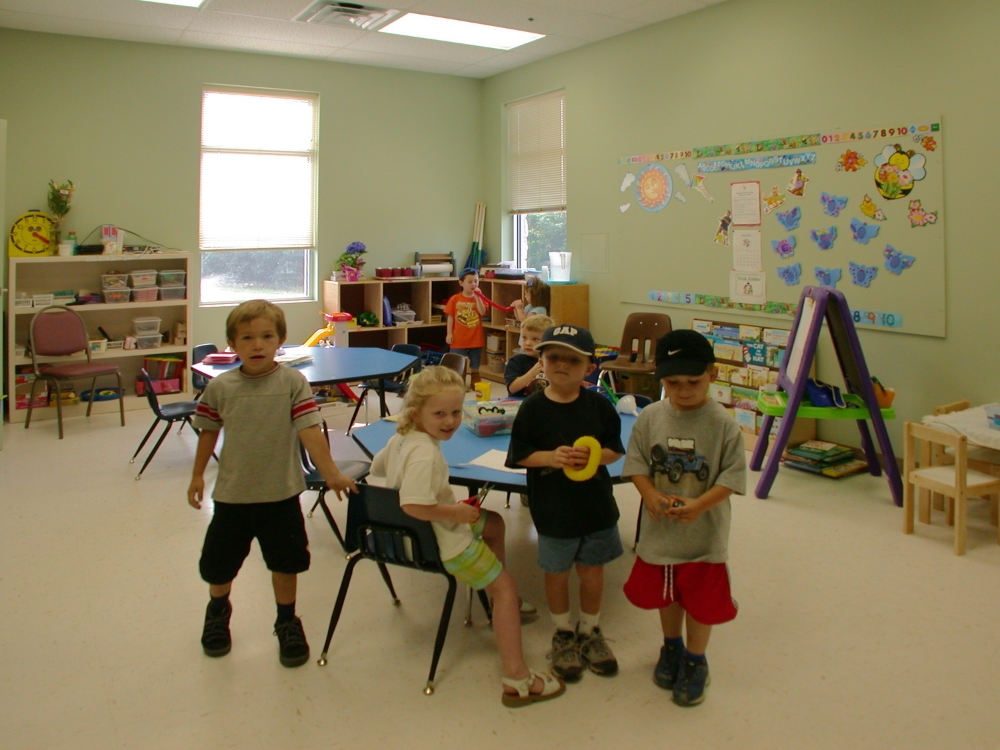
258	171
536	153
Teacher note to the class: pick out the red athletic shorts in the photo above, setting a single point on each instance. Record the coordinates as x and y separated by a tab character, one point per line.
701	588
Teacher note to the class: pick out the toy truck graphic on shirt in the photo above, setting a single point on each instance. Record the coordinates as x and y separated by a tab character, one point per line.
677	458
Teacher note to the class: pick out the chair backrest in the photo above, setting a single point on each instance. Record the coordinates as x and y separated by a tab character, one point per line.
454	362
378	527
642	331
57	331
154	402
414	351
198	353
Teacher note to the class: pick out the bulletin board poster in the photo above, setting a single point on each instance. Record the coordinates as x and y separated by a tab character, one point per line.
861	211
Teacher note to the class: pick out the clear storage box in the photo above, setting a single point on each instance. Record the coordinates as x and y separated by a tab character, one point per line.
42	300
144	294
146	326
486	418
146	277
117	295
148	341
172	278
114	280
173	292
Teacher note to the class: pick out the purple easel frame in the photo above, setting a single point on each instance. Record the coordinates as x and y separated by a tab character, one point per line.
831	306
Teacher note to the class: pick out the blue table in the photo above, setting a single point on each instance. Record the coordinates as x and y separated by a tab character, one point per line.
465	445
332	365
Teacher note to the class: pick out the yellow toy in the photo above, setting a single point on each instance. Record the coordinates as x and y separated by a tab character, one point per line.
331	334
588	471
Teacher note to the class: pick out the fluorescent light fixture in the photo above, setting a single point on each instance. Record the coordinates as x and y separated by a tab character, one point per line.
459	32
185	3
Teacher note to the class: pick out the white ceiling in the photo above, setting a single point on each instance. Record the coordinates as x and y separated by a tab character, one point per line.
266	27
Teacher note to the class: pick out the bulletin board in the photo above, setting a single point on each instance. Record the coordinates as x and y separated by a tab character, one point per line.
749	225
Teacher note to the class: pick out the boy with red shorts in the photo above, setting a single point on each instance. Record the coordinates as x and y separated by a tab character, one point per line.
686	458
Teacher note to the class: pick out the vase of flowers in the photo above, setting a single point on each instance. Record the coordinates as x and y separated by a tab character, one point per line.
351	262
59	198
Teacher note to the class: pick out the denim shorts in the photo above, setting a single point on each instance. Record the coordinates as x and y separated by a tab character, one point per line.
475	356
593	550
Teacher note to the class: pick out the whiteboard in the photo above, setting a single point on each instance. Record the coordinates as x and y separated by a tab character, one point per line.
796	347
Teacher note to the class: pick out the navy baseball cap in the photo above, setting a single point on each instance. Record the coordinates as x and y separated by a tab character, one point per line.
571	337
683	352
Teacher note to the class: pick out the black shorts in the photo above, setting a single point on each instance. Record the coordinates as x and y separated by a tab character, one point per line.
278	527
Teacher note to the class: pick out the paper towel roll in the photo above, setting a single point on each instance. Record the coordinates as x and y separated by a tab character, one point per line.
437	269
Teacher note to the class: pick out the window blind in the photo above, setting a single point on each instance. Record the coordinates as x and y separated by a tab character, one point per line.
258	171
536	153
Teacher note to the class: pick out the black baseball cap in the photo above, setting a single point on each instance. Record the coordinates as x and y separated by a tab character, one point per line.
683	352
571	337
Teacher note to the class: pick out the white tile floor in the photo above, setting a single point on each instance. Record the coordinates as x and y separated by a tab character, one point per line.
850	634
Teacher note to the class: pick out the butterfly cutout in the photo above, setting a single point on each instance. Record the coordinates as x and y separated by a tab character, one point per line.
862	275
824	238
827	276
790	274
790	219
784	248
832	205
895	261
863	232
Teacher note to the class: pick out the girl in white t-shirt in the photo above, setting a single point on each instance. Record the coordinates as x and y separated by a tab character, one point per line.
470	540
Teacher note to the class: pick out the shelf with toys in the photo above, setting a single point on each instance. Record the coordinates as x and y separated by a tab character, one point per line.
113	323
425	297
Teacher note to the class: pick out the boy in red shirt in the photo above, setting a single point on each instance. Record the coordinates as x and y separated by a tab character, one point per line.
465	312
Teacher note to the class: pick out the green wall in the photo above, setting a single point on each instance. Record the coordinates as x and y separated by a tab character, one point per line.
399	151
750	69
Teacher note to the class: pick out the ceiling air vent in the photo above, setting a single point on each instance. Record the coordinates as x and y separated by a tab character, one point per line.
333	13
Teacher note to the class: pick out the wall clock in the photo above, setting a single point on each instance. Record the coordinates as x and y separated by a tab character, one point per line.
31	235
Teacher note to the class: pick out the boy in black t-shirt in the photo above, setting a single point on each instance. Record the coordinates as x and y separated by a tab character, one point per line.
523	374
577	521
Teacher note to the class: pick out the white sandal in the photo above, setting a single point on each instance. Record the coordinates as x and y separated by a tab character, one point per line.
552	687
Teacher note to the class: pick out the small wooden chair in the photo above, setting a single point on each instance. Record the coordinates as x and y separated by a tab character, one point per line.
637	352
956	481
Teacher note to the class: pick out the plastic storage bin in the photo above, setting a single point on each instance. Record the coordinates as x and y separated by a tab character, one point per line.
114	280
486	418
146	326
42	300
172	278
117	295
98	346
173	292
146	277
144	294
404	316
148	341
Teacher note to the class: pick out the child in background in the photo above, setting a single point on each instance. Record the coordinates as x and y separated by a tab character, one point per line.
681	564
465	312
470	540
523	373
534	301
266	409
577	522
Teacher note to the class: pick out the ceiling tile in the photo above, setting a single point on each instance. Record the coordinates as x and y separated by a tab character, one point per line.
233	24
86	28
249	44
285	9
596	28
112	11
382	60
660	10
603	7
392	44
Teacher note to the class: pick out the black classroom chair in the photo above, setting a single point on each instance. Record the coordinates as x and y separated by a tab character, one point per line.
180	411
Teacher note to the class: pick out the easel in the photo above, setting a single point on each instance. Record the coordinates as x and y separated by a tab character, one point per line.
816	305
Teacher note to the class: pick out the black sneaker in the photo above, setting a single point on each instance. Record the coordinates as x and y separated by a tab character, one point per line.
692	679
215	638
292	645
665	672
565	656
596	653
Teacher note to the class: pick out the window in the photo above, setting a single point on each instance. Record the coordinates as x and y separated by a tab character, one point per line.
536	159
257	233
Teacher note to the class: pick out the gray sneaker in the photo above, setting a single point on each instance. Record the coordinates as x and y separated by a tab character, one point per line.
597	654
565	656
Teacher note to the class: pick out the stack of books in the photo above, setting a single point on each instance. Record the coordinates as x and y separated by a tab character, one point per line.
828	459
